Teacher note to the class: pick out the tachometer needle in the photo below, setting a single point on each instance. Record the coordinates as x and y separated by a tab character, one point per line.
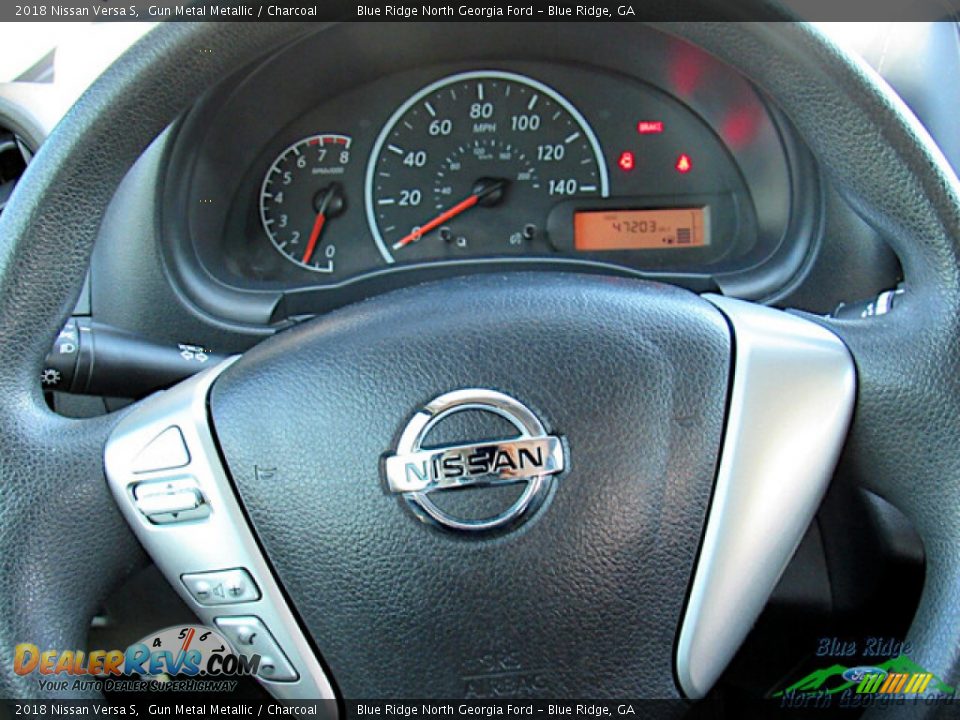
481	190
314	236
325	203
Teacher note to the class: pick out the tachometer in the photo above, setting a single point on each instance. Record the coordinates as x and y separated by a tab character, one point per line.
473	163
300	194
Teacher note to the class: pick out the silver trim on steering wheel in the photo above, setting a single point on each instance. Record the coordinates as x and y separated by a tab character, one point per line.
164	470
791	400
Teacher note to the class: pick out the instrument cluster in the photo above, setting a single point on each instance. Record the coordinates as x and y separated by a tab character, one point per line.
452	167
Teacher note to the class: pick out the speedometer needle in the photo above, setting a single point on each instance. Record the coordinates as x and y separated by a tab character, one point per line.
481	190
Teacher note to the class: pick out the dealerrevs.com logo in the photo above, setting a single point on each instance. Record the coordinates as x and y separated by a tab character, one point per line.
185	658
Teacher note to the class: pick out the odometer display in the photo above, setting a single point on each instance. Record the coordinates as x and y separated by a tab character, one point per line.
603	230
473	164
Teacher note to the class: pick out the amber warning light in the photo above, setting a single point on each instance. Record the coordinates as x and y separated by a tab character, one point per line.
598	230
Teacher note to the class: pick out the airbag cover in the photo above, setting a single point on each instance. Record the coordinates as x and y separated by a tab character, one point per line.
581	600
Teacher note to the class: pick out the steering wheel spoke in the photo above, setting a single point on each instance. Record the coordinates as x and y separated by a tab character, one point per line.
164	470
791	399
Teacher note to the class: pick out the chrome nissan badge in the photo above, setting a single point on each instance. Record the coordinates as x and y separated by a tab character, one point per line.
532	457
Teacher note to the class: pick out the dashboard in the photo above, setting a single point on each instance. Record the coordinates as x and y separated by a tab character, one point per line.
326	174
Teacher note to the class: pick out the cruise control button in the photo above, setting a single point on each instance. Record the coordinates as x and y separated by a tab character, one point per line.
221	587
249	636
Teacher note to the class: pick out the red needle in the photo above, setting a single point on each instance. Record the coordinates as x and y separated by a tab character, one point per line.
440	219
314	235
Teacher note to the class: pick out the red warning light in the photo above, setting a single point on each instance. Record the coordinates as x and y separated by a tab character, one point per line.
626	161
683	164
650	127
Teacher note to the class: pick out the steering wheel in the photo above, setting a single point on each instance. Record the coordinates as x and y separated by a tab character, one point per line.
691	438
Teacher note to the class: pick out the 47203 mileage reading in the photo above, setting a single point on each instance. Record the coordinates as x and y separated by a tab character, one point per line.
602	230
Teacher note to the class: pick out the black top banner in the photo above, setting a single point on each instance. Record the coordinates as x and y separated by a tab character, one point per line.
477	10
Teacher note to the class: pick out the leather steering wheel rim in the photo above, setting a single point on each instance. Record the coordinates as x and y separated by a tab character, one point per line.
63	543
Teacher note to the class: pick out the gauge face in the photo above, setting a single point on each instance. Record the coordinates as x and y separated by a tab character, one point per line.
301	197
473	164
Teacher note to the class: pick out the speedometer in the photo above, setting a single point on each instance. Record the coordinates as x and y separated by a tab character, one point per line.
472	165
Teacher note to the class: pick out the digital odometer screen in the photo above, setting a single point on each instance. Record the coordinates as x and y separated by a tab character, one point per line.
599	230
